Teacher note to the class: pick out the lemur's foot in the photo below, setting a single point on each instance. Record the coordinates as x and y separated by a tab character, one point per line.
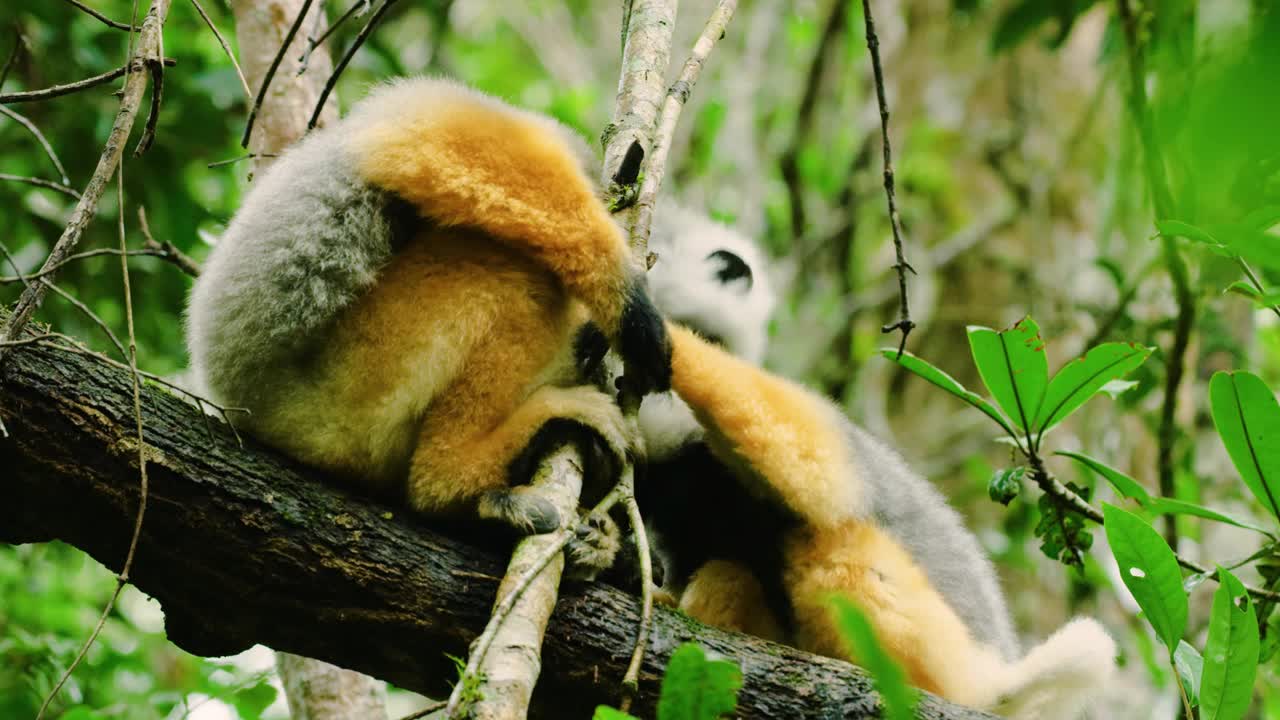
594	546
522	508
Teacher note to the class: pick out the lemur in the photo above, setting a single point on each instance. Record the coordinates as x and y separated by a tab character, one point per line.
397	300
764	499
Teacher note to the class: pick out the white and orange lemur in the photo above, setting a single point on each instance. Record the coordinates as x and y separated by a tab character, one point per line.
764	500
397	302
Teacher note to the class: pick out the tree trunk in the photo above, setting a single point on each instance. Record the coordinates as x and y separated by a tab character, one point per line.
242	546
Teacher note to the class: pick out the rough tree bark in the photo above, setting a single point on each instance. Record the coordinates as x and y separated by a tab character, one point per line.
242	546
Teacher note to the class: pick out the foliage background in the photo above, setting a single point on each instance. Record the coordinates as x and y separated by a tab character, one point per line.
1020	187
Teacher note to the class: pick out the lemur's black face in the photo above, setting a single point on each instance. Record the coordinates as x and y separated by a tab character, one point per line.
731	271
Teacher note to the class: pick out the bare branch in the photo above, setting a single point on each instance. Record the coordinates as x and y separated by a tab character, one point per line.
40	182
165	250
103	18
19	43
346	58
656	166
271	71
360	6
904	322
40	138
149	46
77	86
244	84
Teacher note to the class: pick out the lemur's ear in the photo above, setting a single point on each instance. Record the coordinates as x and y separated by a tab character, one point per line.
733	267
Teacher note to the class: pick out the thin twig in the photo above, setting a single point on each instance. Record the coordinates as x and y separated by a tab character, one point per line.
426	710
313	43
904	322
242	158
84	309
149	46
555	544
145	252
1162	198
40	138
631	679
153	115
41	182
1257	284
789	160
103	18
77	86
18	44
1060	493
346	58
226	48
165	250
271	71
656	164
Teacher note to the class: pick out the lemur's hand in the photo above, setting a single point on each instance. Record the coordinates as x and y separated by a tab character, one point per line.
644	344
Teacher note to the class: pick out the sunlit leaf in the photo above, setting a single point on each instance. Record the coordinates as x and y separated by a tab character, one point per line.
1123	484
698	688
1177	228
604	712
1230	653
898	697
1150	571
921	367
1190	667
1248	420
1083	377
1013	366
1240	287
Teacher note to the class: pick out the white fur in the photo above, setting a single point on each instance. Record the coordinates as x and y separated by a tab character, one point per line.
1059	677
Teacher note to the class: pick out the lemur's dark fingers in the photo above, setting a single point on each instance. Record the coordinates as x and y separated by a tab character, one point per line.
522	508
601	464
590	346
594	546
644	344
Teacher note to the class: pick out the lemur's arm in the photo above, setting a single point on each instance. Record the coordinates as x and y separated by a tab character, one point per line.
790	439
463	158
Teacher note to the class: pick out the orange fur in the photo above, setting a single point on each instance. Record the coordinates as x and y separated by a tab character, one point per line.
725	594
911	620
784	437
462	158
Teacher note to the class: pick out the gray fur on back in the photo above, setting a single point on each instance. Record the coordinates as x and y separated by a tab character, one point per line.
309	239
910	509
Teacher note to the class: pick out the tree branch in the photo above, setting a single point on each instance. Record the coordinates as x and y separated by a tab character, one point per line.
307	567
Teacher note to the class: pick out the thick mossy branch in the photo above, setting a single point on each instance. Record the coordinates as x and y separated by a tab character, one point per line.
241	546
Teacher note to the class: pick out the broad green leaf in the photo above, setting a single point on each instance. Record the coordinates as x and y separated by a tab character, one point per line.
604	712
921	367
1177	228
1123	484
251	701
1230	653
1241	287
1013	366
898	697
1170	506
1083	377
1248	420
1150	571
1190	667
696	688
1253	245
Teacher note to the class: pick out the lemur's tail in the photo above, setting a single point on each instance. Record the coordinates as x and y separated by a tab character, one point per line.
1058	678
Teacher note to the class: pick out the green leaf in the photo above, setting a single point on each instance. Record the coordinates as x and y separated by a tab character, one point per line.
1123	484
1170	506
1241	287
1150	571
1190	667
251	701
1248	420
1177	228
604	712
1230	653
697	688
1006	484
898	697
1083	377
1013	366
921	367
